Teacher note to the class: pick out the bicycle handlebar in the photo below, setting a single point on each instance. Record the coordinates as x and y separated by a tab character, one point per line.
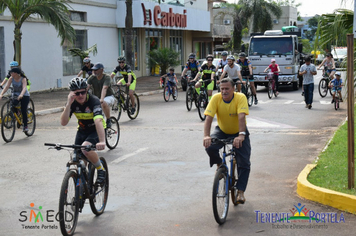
225	141
59	146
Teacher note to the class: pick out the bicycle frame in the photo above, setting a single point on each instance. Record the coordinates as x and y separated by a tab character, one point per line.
224	165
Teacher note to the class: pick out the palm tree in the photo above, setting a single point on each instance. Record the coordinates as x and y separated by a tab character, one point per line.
54	12
129	33
164	57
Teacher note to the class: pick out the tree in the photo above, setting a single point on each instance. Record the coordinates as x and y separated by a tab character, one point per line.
164	57
83	53
54	12
313	25
129	33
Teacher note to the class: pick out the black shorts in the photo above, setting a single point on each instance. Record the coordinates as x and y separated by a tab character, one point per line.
81	137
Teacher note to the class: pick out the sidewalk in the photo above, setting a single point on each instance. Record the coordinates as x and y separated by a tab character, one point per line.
51	101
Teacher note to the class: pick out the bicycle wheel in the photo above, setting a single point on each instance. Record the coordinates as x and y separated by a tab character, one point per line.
5	108
112	134
98	194
330	91
166	93
31	122
336	105
234	181
31	105
119	107
323	87
220	196
189	99
202	103
249	96
8	127
68	204
175	93
133	111
270	89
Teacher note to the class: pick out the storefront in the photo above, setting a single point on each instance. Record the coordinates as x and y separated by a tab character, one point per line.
162	25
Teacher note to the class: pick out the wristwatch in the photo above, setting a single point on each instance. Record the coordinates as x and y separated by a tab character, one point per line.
243	133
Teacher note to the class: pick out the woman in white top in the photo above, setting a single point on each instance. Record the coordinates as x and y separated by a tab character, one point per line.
329	63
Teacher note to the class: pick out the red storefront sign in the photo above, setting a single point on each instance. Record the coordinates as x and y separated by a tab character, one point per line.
162	18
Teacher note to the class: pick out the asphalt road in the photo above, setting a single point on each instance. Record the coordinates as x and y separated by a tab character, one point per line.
160	180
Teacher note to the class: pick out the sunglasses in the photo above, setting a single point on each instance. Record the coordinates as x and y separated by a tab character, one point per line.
80	93
120	62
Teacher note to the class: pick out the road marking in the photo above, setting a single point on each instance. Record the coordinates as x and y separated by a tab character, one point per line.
289	102
325	102
124	157
264	102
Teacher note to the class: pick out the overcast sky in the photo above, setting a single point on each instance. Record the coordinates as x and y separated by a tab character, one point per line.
312	7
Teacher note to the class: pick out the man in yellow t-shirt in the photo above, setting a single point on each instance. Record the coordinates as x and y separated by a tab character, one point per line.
231	109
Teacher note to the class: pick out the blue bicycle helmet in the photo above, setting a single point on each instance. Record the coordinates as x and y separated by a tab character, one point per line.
14	63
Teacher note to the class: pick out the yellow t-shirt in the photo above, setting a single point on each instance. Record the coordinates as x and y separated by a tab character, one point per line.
227	113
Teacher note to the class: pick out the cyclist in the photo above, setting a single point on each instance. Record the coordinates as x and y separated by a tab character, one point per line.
329	63
15	64
275	70
129	79
207	71
101	85
336	86
19	83
172	79
192	65
231	109
233	71
87	109
87	67
246	70
223	61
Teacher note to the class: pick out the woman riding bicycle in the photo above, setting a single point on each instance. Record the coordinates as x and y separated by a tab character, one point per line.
20	92
329	63
275	70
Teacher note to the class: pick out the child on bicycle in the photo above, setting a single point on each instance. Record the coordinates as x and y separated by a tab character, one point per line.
335	86
172	79
275	69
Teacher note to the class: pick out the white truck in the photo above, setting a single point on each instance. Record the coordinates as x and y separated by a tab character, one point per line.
339	54
274	44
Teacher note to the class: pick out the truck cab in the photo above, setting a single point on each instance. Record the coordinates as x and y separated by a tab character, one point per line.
283	47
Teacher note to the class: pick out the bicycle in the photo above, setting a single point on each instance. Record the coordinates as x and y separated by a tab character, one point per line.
14	115
124	102
79	184
203	99
337	98
168	90
324	84
224	181
191	96
271	85
112	134
246	89
6	106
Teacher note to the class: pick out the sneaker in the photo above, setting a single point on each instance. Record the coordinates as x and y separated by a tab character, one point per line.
133	110
309	106
341	100
332	101
303	93
108	123
277	93
240	197
25	129
101	177
256	101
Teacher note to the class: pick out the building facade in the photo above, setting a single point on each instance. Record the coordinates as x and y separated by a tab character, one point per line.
47	64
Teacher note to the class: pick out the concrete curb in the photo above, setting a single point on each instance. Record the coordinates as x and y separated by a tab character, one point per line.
342	201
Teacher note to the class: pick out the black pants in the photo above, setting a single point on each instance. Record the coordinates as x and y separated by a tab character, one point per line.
24	104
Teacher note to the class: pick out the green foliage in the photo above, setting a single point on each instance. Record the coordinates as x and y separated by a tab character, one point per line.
83	53
307	47
54	12
313	25
164	57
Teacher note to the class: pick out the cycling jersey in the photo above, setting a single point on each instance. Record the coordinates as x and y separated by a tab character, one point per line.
193	67
125	72
87	113
206	71
244	67
89	71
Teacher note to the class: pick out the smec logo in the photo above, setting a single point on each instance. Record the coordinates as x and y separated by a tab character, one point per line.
38	219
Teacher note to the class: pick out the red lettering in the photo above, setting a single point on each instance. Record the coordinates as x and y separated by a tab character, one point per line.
178	20
184	23
164	18
156	11
147	16
172	18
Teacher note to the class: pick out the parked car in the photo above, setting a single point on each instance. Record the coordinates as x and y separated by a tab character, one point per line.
339	54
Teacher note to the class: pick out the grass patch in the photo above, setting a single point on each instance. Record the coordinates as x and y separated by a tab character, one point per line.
331	169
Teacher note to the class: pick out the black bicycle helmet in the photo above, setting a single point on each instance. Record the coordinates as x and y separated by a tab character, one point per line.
191	55
242	54
121	59
224	53
77	83
209	56
231	58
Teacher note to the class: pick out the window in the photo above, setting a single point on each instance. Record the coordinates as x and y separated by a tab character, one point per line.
176	42
78	16
72	65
